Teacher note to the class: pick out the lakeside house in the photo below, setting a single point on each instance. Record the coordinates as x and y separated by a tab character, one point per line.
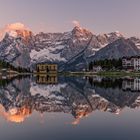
97	68
46	68
131	63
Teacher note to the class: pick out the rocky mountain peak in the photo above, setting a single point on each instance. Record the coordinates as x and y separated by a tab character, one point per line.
115	34
16	30
79	31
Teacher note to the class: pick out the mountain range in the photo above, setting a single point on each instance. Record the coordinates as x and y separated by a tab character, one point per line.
71	50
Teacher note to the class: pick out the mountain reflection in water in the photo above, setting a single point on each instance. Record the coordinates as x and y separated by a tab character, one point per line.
20	97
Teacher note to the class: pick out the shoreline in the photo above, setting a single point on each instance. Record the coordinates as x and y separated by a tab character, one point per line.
103	73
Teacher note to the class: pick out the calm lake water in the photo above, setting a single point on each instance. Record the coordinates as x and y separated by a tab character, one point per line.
69	108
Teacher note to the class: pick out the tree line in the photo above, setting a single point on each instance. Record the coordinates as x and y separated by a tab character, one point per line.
107	64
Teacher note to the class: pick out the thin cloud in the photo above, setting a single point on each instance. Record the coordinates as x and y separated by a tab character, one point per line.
76	23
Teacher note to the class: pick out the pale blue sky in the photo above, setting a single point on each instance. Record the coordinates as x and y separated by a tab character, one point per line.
57	15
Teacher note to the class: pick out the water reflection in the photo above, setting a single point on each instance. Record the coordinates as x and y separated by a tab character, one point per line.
20	97
47	79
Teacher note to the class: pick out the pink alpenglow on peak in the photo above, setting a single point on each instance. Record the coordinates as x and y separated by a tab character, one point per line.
12	29
16	26
76	23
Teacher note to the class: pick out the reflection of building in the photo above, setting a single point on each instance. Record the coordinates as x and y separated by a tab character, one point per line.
131	63
47	79
131	84
46	68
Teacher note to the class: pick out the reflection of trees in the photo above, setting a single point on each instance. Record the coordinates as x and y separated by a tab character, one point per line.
106	83
5	82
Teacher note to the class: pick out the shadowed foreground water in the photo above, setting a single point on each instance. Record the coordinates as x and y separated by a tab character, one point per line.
53	108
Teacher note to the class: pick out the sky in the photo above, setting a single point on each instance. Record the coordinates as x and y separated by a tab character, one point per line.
99	16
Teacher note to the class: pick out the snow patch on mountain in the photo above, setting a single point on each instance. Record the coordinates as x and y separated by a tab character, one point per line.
47	54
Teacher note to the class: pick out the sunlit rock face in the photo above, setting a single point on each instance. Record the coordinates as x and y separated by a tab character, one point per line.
15	30
16	43
76	96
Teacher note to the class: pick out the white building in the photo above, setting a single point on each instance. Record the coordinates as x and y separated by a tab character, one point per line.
131	63
97	68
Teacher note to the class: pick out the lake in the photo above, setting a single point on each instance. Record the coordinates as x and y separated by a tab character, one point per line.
69	108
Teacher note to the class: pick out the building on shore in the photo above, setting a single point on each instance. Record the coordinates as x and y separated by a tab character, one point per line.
47	68
131	63
97	68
